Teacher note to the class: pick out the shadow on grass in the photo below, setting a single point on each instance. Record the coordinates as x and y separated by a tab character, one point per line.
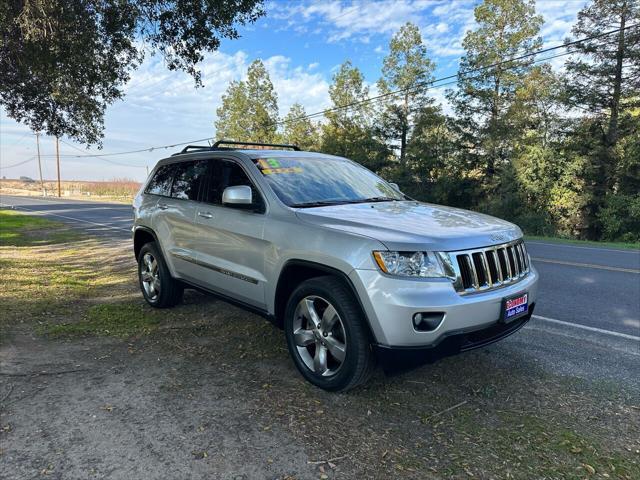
19	230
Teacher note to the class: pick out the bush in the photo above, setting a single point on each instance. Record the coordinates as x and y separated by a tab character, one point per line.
620	218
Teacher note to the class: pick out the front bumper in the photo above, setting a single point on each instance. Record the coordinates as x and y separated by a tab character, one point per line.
390	304
399	359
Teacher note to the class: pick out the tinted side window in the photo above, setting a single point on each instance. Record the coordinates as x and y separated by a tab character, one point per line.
188	177
229	174
160	184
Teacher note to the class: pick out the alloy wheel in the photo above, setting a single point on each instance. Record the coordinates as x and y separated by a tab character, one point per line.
150	276
319	336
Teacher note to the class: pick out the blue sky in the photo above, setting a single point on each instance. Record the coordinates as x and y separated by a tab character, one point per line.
302	43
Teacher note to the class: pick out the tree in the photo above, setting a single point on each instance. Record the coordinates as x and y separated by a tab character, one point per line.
249	110
299	130
349	132
604	80
486	87
64	61
607	68
407	67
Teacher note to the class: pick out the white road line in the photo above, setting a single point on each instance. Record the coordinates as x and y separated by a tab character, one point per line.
586	265
574	336
585	327
103	225
604	249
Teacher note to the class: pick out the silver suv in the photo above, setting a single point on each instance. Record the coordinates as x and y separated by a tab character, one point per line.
356	272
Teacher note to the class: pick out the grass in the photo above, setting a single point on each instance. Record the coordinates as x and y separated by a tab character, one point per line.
117	189
19	230
586	243
117	320
469	416
50	272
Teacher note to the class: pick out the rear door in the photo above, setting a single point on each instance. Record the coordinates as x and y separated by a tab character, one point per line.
230	244
174	221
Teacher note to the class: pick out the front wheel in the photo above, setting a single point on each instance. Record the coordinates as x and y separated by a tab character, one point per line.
327	336
158	287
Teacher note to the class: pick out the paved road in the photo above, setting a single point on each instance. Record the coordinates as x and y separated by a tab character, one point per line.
591	288
112	219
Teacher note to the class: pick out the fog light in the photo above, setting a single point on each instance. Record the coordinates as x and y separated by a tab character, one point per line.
427	321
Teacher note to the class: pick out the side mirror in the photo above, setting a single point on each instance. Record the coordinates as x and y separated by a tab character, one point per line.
239	195
395	186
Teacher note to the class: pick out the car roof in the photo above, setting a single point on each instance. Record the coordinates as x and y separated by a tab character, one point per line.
251	153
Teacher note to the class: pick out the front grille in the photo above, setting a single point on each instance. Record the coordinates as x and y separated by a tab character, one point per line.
490	267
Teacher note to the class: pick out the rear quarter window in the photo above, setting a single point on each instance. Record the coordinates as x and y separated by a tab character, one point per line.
160	184
187	179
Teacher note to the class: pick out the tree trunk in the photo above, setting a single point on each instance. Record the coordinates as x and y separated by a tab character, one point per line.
493	133
612	132
403	133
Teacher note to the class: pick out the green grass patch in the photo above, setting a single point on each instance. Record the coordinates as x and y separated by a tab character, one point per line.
116	320
19	230
585	243
539	446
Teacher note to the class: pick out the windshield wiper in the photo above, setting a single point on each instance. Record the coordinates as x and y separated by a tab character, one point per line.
324	203
378	199
321	203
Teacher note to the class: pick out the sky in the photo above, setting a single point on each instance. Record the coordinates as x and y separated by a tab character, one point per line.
302	43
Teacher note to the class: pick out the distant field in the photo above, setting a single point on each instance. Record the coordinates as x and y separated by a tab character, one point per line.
113	190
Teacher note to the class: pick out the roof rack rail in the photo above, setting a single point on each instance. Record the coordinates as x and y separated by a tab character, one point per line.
255	144
217	146
189	148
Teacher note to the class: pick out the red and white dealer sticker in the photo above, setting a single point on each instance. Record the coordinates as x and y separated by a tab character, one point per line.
515	307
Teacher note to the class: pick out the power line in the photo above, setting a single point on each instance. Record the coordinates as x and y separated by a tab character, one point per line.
30	159
461	75
99	157
456	77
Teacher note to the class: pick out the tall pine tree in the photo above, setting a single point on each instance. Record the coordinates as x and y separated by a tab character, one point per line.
299	130
604	80
486	88
407	67
349	131
249	110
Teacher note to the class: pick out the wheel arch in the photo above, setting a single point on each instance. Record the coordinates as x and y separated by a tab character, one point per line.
294	272
142	236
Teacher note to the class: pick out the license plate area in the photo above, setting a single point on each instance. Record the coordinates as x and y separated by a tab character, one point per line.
514	307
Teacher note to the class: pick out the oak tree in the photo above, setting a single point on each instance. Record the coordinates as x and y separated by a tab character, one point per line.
64	61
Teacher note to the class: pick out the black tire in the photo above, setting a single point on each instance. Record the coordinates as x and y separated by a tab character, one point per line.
170	290
358	363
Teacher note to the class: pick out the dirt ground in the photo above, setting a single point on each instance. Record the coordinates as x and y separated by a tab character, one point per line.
95	384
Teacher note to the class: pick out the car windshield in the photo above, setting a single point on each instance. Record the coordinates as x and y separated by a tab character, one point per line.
318	181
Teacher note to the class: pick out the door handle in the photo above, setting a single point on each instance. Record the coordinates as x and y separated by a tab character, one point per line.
205	214
163	206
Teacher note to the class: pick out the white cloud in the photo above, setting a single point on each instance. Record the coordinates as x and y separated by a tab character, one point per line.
160	108
359	20
442	27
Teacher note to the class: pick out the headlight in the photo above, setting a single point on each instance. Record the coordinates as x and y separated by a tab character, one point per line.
409	264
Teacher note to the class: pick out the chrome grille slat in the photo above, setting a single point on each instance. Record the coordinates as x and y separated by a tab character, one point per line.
472	269
475	273
516	265
494	252
487	271
520	260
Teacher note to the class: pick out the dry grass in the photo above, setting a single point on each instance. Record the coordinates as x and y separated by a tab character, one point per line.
508	420
119	190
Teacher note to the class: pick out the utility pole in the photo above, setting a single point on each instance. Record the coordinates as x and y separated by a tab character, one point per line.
58	165
44	192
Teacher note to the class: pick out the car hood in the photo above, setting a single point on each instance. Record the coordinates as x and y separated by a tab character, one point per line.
408	225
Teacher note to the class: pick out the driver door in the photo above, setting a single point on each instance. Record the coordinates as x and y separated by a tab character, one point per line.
229	240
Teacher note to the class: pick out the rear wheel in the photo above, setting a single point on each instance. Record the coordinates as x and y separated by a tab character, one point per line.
158	287
327	336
